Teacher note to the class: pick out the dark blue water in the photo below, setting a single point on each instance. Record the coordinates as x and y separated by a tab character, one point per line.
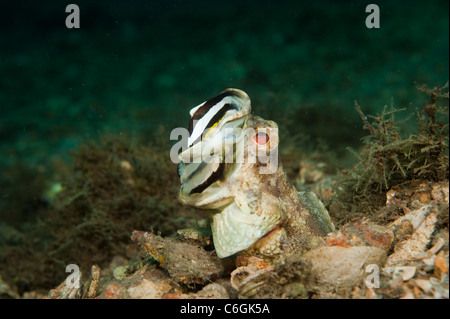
132	66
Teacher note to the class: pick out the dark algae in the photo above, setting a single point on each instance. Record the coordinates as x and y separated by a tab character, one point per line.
390	158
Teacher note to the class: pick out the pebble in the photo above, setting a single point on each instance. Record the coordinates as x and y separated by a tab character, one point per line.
343	266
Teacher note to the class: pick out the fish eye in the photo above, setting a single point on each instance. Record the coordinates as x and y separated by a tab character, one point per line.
261	138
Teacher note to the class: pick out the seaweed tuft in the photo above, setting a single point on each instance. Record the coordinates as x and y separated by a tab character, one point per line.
113	188
389	159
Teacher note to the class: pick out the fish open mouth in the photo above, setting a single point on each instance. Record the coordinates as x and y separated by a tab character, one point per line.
215	127
210	116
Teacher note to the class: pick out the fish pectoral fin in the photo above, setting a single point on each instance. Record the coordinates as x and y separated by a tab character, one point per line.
317	211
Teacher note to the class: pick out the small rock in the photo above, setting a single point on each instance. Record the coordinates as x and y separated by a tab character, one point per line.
441	263
416	245
393	196
405	272
371	294
149	282
423	284
288	277
341	266
423	197
64	292
186	263
200	234
149	289
440	192
112	291
212	291
415	217
362	233
408	295
120	272
431	253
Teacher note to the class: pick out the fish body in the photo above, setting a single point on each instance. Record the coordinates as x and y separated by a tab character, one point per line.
231	168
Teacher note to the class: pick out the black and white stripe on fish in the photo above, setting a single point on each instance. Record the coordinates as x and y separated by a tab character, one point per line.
208	114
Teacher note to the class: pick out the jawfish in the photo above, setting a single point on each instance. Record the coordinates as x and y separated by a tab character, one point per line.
230	167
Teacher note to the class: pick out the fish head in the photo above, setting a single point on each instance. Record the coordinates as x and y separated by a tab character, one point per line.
216	127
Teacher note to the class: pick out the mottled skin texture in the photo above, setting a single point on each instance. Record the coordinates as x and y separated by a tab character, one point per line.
303	218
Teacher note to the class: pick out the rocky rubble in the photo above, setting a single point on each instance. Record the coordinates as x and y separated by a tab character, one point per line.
406	258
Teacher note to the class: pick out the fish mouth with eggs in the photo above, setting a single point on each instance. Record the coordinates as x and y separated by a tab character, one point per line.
215	128
230	167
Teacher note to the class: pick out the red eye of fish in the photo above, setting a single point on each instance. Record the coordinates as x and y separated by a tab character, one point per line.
261	138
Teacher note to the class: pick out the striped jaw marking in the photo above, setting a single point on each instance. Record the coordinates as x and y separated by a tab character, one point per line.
212	122
210	116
